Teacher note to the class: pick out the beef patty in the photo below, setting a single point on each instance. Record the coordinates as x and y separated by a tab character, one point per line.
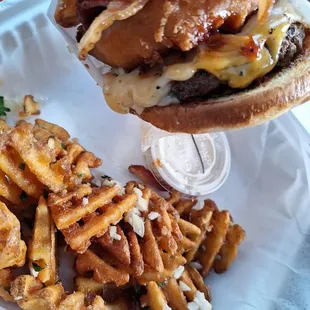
204	83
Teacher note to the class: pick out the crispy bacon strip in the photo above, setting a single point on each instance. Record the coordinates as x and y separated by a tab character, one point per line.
116	10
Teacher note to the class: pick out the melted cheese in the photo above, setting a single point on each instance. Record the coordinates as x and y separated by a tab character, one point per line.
237	60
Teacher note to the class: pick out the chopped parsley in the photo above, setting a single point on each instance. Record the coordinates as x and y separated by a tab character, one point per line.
23	196
3	108
81	175
63	146
36	267
241	73
22	166
162	284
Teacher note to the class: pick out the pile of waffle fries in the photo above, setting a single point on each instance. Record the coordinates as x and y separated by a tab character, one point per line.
133	248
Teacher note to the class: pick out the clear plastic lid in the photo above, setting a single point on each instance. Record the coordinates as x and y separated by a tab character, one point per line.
195	165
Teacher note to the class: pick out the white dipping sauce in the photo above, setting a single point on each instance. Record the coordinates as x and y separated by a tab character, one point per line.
195	165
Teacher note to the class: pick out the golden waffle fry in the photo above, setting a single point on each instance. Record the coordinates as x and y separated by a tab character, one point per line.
187	287
88	285
165	237
78	301
30	294
202	219
118	248
66	13
214	240
158	252
42	247
155	298
53	129
190	233
197	281
12	248
103	272
127	251
18	172
9	190
94	207
174	295
54	162
219	236
229	250
150	249
171	263
6	277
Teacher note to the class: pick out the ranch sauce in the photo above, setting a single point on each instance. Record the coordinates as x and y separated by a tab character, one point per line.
195	165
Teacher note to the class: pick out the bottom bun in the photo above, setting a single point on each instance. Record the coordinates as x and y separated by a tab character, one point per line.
276	95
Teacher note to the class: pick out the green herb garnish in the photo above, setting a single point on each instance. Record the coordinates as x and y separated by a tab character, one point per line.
22	166
63	146
37	268
81	175
3	108
23	196
162	284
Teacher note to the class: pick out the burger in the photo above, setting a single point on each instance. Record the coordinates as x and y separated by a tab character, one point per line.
196	65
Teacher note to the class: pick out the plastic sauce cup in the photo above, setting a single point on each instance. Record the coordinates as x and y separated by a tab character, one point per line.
194	165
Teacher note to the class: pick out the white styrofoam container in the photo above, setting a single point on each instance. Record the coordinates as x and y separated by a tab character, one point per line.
267	191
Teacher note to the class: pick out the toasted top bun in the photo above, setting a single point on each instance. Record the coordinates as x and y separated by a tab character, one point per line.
163	24
278	93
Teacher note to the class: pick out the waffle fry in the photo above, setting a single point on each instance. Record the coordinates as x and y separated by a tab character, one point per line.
18	172
78	301
53	129
95	207
6	277
154	255
229	250
30	294
217	245
66	13
102	271
88	285
9	190
177	293
202	219
155	298
42	247
55	163
214	240
12	248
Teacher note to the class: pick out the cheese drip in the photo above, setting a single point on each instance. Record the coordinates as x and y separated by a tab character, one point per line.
237	60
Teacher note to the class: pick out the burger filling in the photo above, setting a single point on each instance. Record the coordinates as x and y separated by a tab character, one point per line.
220	65
204	84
